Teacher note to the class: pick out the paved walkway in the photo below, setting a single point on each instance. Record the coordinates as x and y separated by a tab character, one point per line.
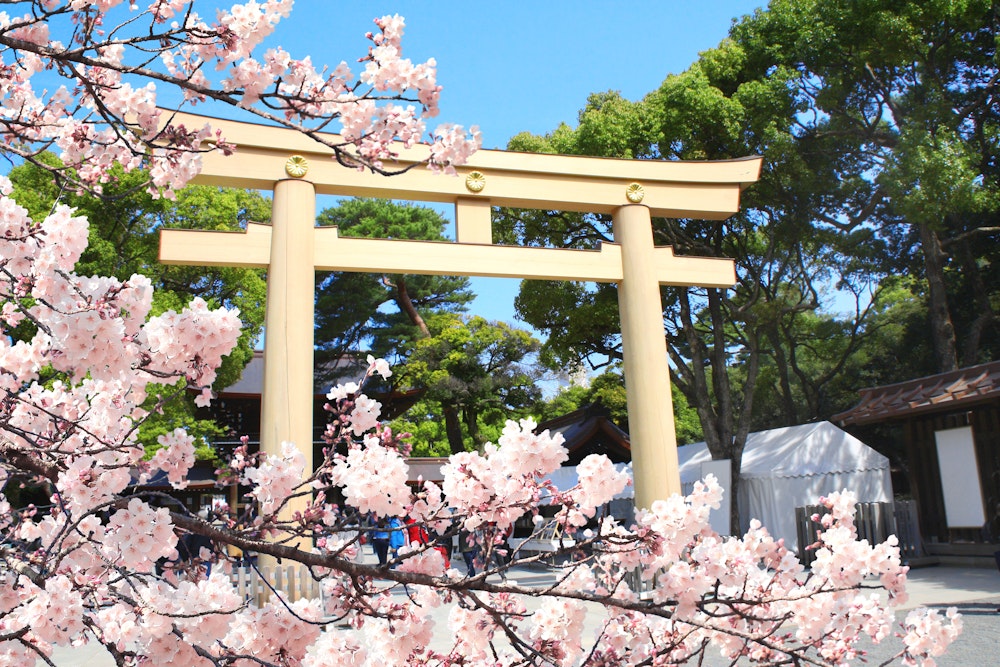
975	591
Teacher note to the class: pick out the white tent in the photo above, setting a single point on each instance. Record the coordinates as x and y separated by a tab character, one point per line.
790	467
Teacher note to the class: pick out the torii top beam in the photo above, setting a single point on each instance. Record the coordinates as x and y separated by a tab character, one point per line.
707	190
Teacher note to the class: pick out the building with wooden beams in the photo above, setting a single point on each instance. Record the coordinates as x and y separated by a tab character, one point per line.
950	427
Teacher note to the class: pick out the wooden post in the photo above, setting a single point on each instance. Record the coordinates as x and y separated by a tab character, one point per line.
287	411
287	400
644	348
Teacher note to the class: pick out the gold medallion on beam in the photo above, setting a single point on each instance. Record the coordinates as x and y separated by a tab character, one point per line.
296	166
475	181
635	192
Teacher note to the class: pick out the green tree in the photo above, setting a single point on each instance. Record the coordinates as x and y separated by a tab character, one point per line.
383	313
476	373
906	94
718	340
387	314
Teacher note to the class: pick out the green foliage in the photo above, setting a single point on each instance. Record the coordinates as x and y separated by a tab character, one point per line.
425	424
479	368
567	399
175	409
580	319
369	311
902	97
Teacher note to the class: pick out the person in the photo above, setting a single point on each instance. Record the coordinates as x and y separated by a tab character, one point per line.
501	553
397	535
469	548
380	539
417	535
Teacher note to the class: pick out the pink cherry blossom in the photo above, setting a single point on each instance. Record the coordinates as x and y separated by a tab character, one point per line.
380	366
276	477
100	117
176	457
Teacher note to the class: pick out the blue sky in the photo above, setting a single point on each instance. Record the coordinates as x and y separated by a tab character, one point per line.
518	66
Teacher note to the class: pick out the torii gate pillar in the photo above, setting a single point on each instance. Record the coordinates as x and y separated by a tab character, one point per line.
288	349
644	349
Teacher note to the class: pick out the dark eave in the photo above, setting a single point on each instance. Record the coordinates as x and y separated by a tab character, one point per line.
945	392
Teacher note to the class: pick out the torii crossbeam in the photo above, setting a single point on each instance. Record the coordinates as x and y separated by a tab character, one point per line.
292	248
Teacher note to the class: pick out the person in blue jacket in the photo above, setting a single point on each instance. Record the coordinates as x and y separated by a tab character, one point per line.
397	535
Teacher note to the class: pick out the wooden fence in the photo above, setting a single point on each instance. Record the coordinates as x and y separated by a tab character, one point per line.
293	582
911	546
257	584
875	522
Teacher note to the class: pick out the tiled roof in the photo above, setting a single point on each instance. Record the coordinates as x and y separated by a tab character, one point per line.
936	393
589	430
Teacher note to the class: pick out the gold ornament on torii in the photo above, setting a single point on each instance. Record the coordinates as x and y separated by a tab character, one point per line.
297	166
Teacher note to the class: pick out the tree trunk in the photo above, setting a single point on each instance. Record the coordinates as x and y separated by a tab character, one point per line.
697	384
406	305
752	352
453	428
784	374
471	416
724	437
942	328
986	315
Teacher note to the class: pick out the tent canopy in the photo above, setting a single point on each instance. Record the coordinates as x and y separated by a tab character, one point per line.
782	469
791	467
793	451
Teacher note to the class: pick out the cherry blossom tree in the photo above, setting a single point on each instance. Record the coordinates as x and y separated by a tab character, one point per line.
91	96
99	560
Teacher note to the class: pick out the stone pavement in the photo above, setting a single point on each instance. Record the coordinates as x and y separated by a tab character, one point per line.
975	591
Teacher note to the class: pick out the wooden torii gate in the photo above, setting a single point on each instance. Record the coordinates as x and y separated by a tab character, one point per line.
292	248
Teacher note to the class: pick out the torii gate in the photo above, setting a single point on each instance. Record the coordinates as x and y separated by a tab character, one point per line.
292	248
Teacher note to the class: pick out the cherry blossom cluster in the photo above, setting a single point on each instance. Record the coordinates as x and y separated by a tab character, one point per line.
275	478
175	457
506	481
97	561
105	112
276	632
599	483
138	536
73	385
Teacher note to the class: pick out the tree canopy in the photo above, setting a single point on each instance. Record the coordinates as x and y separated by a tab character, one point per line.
383	313
905	94
476	374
